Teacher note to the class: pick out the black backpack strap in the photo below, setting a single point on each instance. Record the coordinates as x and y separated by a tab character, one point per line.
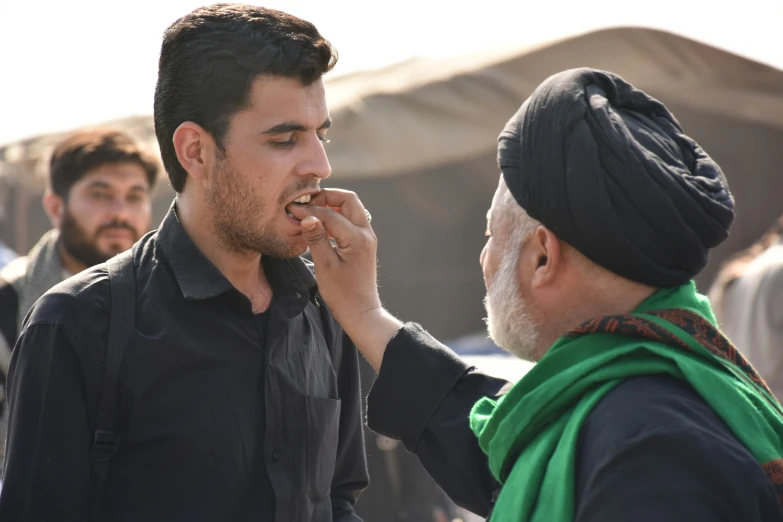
106	437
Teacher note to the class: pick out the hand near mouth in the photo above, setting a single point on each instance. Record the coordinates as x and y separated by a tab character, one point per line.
346	272
328	206
305	201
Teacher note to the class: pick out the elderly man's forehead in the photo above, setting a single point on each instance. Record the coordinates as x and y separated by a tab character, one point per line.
499	200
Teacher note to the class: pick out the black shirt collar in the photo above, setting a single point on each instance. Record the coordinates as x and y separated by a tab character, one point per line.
291	279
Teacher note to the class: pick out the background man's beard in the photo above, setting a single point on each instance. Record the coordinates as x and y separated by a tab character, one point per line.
74	239
509	321
235	210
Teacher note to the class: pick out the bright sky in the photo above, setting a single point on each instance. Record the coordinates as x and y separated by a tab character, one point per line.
69	63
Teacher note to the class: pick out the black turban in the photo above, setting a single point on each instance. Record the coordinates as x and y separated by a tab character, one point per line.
608	169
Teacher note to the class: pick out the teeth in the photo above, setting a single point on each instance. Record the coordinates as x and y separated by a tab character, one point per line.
303	199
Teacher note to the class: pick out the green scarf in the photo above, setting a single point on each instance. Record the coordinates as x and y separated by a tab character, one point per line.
530	434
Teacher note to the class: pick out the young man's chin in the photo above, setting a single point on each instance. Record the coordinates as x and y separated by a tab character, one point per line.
298	249
294	246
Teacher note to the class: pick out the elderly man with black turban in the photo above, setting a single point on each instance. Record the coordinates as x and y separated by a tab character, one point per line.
638	408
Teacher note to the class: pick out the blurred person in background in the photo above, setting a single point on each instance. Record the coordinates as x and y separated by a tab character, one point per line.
98	200
748	300
238	395
7	254
637	408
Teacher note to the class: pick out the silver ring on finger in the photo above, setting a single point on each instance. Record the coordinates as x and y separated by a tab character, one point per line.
369	216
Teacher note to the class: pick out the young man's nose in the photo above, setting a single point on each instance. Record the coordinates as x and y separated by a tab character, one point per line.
316	163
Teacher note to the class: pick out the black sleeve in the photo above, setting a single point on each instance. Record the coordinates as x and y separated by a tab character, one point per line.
652	450
9	310
350	472
423	397
47	460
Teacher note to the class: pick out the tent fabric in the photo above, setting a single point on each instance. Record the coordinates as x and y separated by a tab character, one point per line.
430	112
427	112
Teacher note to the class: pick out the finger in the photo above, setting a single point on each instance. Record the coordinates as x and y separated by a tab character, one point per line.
335	224
314	234
347	202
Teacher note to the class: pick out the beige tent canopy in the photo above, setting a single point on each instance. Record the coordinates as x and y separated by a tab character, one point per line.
417	142
426	113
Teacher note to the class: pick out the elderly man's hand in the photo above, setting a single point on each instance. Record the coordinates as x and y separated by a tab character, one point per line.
346	273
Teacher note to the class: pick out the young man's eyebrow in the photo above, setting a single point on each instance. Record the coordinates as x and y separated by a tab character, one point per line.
98	184
284	128
293	126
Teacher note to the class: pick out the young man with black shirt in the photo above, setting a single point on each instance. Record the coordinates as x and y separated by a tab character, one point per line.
238	393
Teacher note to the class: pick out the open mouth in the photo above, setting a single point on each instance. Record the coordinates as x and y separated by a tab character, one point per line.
303	200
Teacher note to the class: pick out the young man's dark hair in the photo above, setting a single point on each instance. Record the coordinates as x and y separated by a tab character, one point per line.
91	148
210	58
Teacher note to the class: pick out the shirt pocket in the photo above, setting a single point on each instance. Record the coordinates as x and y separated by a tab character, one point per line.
323	434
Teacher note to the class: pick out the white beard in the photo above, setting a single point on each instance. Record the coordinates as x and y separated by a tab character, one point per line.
508	320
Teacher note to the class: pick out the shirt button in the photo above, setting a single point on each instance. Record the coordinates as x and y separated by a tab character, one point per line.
275	456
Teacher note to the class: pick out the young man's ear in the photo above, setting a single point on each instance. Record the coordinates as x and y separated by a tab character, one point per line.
54	206
194	147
